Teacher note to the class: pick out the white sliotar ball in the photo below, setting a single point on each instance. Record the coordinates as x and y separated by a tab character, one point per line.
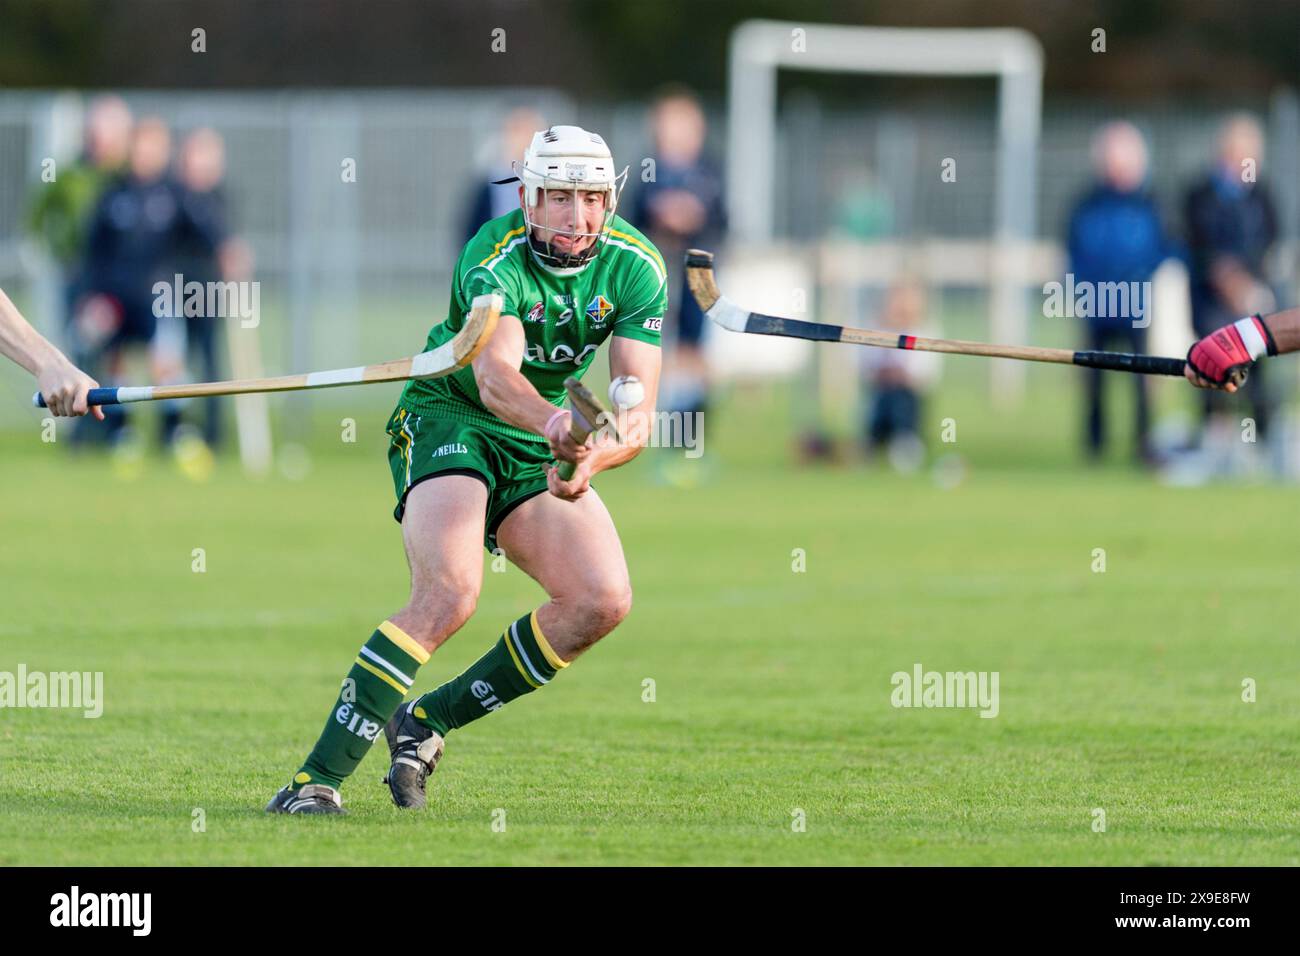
626	391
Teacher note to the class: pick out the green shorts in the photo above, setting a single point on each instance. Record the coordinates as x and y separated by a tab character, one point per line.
422	447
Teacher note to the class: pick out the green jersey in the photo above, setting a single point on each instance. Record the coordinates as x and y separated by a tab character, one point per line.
566	313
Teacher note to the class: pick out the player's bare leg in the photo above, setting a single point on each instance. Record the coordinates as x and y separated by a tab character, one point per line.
572	549
442	527
442	530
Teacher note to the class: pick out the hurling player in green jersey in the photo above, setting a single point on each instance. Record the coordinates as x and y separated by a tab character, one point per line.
473	458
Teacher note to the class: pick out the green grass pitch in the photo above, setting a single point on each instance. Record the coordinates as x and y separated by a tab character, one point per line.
1119	691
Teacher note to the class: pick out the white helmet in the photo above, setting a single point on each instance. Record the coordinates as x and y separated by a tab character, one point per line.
568	157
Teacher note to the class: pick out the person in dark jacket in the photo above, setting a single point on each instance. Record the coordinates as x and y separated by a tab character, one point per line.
681	207
1115	236
1231	225
138	227
492	198
199	258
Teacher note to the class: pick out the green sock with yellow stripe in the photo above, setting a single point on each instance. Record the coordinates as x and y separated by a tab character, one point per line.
519	663
382	674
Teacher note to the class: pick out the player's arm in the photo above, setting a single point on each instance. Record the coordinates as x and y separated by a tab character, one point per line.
627	357
512	398
1222	358
631	357
634	352
62	383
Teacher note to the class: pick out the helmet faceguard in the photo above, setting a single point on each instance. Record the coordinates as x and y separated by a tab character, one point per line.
572	160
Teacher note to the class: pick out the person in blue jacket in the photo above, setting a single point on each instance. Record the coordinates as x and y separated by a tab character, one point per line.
1116	236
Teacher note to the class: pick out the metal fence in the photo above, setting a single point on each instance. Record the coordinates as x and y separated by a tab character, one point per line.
899	150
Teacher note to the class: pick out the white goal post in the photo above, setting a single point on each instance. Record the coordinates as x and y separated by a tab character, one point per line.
760	48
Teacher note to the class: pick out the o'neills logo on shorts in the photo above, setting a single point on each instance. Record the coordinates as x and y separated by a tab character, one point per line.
455	448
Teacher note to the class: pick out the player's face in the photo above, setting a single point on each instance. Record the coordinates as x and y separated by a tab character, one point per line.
563	211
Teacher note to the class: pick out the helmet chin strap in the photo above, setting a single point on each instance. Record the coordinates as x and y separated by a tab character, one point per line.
556	259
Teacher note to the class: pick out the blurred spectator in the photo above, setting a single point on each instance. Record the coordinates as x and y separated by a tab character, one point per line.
896	381
862	212
1231	225
138	229
60	210
1115	236
863	209
492	199
202	170
680	208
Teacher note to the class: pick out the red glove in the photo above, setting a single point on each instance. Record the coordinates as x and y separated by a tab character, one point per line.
1227	353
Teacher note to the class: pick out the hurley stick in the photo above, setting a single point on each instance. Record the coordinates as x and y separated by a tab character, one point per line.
449	357
699	274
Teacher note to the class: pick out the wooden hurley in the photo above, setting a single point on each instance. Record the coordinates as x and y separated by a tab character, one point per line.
447	358
586	415
699	274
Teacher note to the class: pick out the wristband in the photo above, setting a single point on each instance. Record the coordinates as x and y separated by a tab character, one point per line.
1255	336
546	432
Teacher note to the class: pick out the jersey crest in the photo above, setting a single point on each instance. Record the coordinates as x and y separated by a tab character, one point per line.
599	308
